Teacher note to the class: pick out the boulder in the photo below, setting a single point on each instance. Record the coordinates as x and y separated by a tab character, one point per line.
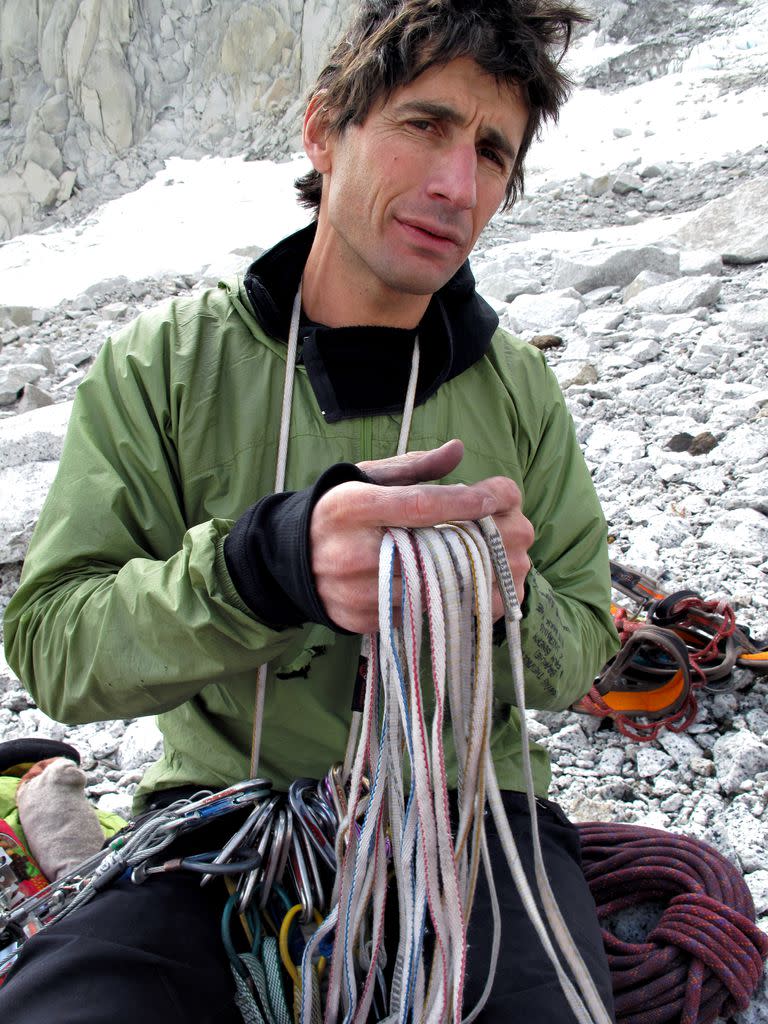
694	262
678	296
507	286
42	185
14	378
603	265
735	226
547	311
42	150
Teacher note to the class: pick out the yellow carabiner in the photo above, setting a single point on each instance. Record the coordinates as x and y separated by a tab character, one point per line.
285	956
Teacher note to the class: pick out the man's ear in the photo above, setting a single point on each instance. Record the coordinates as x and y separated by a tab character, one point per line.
316	135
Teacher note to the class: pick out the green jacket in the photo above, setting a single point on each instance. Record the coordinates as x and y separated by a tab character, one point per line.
126	607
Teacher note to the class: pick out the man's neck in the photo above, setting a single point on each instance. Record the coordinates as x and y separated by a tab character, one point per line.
336	294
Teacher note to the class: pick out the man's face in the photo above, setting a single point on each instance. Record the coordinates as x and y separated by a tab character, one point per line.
406	193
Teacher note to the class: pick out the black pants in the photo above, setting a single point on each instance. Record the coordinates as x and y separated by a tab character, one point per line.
152	954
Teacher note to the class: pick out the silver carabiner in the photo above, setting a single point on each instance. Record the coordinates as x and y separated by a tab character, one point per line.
301	879
277	836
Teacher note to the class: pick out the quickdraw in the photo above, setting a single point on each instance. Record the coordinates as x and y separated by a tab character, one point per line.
673	646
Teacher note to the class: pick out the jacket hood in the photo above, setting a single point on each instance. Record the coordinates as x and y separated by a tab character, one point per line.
363	370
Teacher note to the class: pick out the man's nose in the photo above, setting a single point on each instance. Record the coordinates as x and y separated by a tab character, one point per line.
455	176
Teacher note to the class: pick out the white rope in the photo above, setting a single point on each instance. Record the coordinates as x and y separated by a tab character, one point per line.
410	400
282	458
447	576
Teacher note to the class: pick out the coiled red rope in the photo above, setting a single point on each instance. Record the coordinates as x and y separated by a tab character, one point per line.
704	958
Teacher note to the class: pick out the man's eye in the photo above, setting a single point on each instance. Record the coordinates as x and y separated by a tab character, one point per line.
420	125
492	155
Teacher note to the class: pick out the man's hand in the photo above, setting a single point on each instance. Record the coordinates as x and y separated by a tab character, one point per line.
349	521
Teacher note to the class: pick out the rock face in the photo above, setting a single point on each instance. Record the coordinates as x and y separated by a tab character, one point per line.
81	84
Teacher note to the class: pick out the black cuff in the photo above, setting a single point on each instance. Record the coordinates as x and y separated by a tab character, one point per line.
267	553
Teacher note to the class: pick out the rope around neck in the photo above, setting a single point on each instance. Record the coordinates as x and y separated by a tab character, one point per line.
282	459
447	573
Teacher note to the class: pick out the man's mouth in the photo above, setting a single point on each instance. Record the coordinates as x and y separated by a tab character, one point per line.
433	232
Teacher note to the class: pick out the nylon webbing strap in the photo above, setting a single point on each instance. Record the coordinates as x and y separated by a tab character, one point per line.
441	577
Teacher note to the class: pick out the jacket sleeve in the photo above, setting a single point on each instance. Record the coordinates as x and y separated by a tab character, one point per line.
124	607
567	629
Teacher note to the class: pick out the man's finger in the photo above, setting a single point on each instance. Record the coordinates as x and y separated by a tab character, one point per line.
415	467
412	506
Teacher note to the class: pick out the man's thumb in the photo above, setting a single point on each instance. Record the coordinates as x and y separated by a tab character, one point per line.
415	467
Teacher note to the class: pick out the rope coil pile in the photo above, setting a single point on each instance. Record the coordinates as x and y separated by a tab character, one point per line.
704	958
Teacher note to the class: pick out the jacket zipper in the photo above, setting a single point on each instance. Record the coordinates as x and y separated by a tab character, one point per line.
366	440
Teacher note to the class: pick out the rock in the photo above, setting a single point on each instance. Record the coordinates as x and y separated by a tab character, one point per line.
35	436
14	378
742	532
546	311
22	316
679	296
572	738
543	342
680	746
758	887
585	808
66	185
620	444
680	442
606	319
24	489
32	398
141	745
507	286
644	376
575	374
739	756
702	766
54	113
695	262
610	265
611	761
750	317
651	171
745	835
597	187
625	183
702	444
735	226
40	149
645	279
42	185
651	761
757	720
115	803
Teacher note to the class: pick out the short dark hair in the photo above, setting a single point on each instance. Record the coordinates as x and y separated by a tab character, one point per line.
391	42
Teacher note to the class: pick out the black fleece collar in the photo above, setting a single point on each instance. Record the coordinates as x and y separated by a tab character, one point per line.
363	371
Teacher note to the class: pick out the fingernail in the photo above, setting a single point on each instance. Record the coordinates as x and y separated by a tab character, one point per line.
489	506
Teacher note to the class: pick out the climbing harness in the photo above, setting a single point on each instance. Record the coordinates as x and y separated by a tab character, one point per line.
703	959
673	646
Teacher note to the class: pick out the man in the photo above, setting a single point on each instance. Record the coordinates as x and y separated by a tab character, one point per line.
164	573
